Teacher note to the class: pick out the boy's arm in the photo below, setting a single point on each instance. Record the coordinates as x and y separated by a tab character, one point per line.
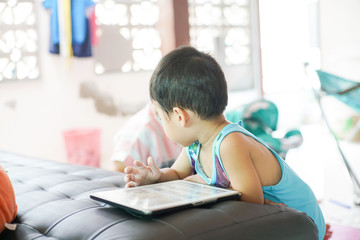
235	155
143	175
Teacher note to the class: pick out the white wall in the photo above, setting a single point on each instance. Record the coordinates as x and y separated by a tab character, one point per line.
48	106
340	37
288	41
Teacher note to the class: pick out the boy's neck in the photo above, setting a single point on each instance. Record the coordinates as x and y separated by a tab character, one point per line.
210	129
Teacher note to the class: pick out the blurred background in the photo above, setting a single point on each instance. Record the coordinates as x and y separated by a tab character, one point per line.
97	81
76	76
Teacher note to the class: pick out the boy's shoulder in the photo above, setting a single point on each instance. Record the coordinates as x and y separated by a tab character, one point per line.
231	130
234	136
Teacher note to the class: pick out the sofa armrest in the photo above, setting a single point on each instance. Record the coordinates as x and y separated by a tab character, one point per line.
53	203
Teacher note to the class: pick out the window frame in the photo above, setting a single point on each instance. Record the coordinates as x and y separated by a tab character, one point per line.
23	26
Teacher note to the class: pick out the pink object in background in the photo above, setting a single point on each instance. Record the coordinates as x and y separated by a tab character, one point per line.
83	146
341	232
93	28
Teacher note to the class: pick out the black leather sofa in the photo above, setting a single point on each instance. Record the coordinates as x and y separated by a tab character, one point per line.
53	203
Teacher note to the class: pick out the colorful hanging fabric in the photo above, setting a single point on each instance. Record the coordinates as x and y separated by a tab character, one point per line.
69	31
93	27
83	49
64	20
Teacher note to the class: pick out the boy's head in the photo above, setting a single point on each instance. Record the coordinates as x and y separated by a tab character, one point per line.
192	80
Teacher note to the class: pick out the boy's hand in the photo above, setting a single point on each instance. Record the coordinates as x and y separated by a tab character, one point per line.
268	202
141	174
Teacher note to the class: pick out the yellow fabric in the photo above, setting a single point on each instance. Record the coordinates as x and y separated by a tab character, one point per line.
64	19
67	13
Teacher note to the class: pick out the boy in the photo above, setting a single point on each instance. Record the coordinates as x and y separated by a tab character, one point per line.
189	92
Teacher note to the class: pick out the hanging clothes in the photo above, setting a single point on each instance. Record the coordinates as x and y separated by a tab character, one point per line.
83	49
69	27
64	21
93	28
54	26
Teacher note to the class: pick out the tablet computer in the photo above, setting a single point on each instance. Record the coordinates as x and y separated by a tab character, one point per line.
164	197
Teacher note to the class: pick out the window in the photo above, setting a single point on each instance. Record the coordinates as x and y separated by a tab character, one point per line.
128	38
130	41
229	30
19	58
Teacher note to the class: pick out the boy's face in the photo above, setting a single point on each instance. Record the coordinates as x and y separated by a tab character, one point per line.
171	128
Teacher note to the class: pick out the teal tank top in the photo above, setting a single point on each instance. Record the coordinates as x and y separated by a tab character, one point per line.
290	190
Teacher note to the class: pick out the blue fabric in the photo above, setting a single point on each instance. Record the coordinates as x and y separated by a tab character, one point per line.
218	178
54	47
83	49
54	25
78	19
290	190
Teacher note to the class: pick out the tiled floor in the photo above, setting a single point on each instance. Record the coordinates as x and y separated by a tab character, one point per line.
320	164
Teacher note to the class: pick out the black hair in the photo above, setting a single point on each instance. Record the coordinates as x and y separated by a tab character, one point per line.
189	79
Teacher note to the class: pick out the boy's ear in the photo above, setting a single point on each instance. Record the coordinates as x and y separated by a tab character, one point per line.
181	116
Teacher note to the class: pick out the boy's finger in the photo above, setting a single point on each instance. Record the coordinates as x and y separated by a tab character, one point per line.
131	170
128	178
128	170
139	165
151	163
130	184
